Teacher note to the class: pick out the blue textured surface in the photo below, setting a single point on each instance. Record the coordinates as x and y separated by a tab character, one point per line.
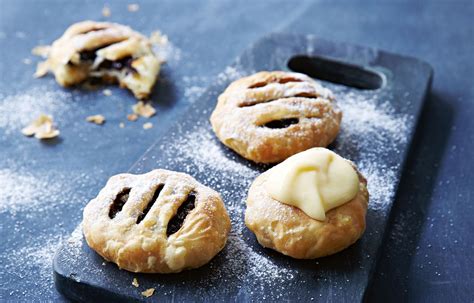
426	255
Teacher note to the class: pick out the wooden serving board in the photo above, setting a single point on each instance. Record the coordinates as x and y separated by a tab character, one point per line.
381	95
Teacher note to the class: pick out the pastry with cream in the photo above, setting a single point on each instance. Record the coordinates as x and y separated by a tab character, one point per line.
158	222
270	116
311	205
107	51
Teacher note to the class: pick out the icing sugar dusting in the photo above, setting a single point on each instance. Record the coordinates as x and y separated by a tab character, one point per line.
37	192
20	109
34	259
164	49
24	190
362	115
195	86
370	131
199	147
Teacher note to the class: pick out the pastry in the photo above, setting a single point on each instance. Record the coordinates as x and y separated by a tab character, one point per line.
110	52
270	116
158	222
311	205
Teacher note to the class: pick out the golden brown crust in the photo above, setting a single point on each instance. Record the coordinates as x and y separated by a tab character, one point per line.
146	246
289	230
250	108
88	49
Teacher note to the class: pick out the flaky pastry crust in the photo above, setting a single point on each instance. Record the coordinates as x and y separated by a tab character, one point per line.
141	235
109	51
270	116
288	230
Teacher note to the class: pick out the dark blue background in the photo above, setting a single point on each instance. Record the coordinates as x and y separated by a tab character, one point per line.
427	251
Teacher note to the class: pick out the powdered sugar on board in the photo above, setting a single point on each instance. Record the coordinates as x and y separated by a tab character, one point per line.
371	131
195	86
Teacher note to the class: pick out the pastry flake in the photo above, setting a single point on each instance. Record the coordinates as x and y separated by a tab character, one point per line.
144	109
270	116
106	12
316	181
148	293
41	50
147	125
107	51
132	117
42	69
97	119
41	128
158	222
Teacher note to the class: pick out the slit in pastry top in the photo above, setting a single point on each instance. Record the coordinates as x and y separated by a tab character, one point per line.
119	202
150	203
177	221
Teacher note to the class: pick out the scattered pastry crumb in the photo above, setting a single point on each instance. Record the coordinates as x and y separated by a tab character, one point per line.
107	92
135	282
27	61
133	7
132	117
103	263
106	11
147	125
97	119
41	69
41	50
148	293
121	125
143	109
41	128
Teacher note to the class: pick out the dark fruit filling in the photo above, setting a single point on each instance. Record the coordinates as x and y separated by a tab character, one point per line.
283	123
150	203
119	202
177	221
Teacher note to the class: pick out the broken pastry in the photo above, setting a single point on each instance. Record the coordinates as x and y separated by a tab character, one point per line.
311	205
158	222
107	51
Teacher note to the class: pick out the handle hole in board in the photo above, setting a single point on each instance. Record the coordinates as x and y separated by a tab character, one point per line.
339	72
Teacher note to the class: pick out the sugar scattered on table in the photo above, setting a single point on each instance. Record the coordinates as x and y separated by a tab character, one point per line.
164	49
17	110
